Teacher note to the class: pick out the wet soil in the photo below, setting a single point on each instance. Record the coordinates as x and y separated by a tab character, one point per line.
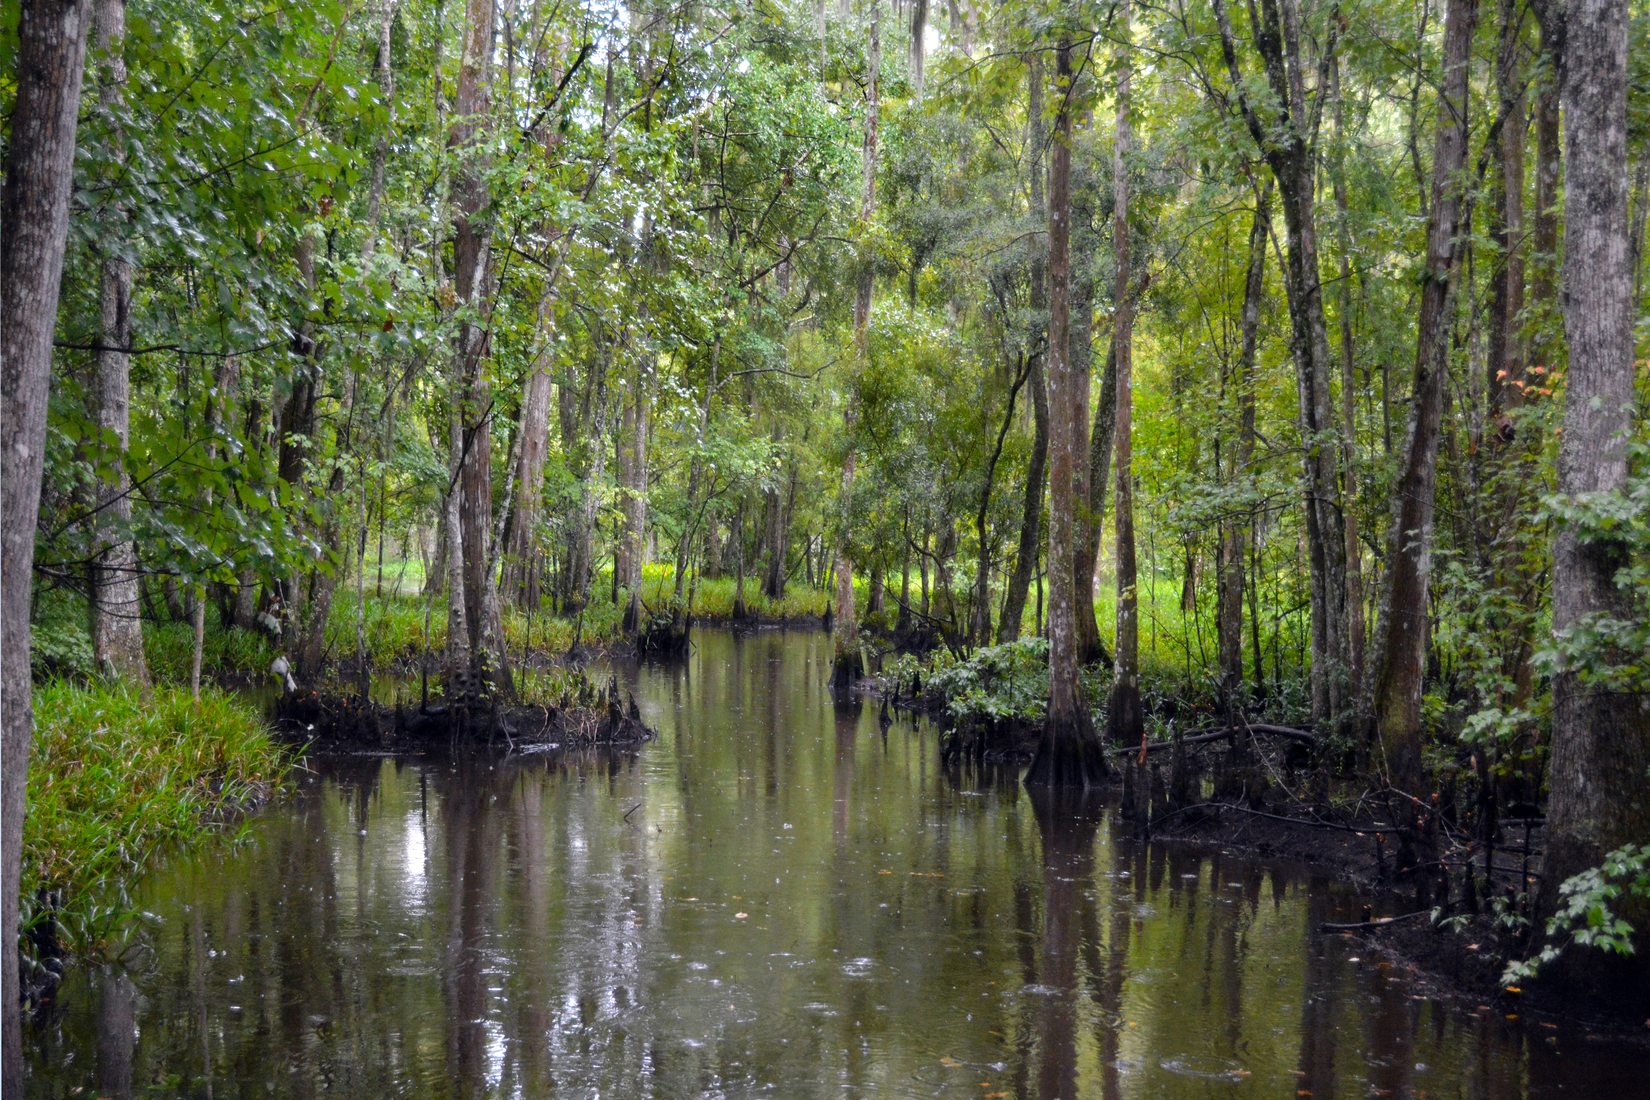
338	722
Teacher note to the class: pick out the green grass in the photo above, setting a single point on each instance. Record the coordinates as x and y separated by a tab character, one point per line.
116	779
226	651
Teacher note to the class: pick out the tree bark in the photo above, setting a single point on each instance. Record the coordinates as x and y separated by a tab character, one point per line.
1285	140
1403	634
1236	527
522	574
34	225
1069	754
472	262
1091	480
117	624
849	665
1125	721
1102	443
1355	627
1031	514
1601	732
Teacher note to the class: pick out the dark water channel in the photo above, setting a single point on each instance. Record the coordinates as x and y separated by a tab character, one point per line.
778	897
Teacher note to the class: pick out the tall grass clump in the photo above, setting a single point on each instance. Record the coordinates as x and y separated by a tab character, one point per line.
116	780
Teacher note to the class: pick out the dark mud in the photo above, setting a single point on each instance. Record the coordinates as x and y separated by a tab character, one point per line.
337	722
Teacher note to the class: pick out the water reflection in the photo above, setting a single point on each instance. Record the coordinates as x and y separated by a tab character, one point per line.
778	897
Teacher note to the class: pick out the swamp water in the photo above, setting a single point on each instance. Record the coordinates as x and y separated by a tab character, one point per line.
777	897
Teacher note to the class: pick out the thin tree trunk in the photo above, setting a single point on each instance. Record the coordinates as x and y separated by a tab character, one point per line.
980	627
1403	634
849	665
1069	753
1355	628
1125	720
1090	487
117	623
1236	528
1285	141
1031	514
522	579
472	270
919	28
1601	732
34	224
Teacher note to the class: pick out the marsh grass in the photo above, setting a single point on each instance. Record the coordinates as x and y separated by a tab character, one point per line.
117	780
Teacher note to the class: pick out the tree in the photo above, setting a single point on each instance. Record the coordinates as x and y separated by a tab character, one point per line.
1069	753
1031	515
1125	721
848	662
1403	629
34	226
1599	800
117	629
1284	128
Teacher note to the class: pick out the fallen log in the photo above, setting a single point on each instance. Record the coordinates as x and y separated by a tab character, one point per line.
1370	925
1289	732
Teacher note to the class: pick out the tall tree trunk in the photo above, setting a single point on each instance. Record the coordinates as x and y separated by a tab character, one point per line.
778	528
634	427
1355	628
1403	634
34	226
295	425
520	544
1236	527
472	264
845	630
919	28
1601	732
1031	514
1125	720
1102	442
1506	361
1091	497
979	632
522	554
1069	753
117	624
1285	140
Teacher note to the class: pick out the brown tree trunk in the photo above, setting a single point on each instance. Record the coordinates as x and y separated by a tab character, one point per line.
1069	754
521	569
1236	528
633	443
1403	629
1031	514
1285	141
1092	475
1355	627
778	528
1102	443
1125	722
34	225
117	624
1506	361
979	631
472	262
849	665
295	424
1598	800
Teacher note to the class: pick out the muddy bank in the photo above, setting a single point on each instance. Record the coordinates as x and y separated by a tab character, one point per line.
581	717
1449	908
